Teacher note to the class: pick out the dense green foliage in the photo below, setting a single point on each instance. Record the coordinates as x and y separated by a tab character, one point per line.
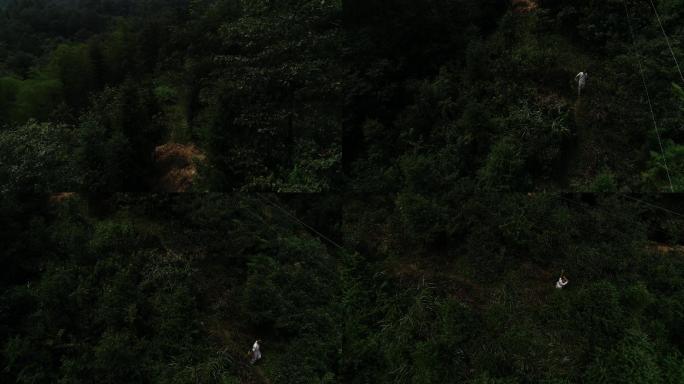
128	295
471	94
255	84
174	289
417	149
484	99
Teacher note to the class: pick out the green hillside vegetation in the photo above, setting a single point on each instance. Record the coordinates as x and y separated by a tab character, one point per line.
381	191
175	289
254	84
488	103
471	92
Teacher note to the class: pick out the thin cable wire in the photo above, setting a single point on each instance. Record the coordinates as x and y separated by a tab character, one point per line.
271	203
667	39
648	96
654	206
586	209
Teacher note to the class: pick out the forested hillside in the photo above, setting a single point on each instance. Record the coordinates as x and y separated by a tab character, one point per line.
470	95
311	95
378	191
175	289
89	89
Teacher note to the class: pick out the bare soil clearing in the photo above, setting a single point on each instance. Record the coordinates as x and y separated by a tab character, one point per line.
524	6
664	248
176	167
61	197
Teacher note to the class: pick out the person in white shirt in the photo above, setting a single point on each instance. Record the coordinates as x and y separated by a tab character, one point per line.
581	82
562	282
256	352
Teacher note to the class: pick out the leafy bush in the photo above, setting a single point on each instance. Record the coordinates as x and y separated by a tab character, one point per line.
37	157
116	140
505	167
632	360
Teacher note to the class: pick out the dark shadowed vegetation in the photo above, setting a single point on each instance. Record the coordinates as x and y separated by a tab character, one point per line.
474	95
174	289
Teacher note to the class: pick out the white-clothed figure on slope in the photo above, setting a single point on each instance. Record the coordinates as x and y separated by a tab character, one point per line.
562	282
256	352
581	82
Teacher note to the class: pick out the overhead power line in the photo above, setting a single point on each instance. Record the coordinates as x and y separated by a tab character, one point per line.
648	96
667	39
296	219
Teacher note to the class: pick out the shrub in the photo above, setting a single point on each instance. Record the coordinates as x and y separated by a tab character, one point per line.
36	158
632	360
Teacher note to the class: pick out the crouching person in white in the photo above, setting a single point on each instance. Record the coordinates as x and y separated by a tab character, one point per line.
562	282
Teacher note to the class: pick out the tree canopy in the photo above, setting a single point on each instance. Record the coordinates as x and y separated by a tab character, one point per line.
314	96
377	191
176	288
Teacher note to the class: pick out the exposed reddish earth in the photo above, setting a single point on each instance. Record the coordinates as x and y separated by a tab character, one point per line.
176	167
664	248
524	6
57	198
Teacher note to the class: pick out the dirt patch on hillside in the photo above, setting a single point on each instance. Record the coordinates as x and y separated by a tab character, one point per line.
664	248
61	197
524	6
176	167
